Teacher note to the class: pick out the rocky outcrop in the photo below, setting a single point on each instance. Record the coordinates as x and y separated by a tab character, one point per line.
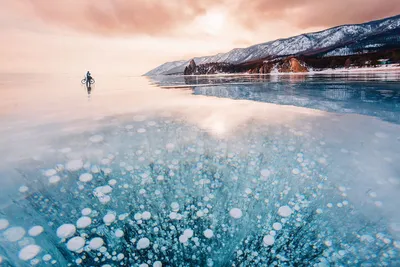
191	69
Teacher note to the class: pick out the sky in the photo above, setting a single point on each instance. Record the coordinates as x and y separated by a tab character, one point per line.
134	36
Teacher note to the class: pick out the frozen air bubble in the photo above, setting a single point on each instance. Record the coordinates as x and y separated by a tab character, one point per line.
109	218
141	130
183	239
96	243
381	135
46	257
208	233
175	206
265	173
85	177
66	231
112	182
188	233
268	240
29	252
3	224
157	264
35	230
328	243
295	171
86	211
285	211
76	244
96	138
83	222
143	243
14	234
74	165
170	146
50	172
277	226
119	233
23	189
54	179
235	213
146	215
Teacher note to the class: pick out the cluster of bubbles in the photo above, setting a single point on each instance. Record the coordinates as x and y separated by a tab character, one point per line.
172	195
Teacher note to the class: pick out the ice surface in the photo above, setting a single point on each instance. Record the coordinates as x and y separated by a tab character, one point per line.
303	191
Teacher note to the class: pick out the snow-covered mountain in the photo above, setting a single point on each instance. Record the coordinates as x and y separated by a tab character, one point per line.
333	41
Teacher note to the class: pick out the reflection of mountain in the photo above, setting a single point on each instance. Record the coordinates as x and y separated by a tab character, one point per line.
376	99
358	44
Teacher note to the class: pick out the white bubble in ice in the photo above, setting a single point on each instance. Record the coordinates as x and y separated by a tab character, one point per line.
85	177
50	172
95	169
74	165
146	215
265	173
143	265
322	160
96	243
141	130
83	222
268	240
381	135
96	138
35	230
23	189
173	215
143	243
285	211
54	179
105	189
183	239
175	206
137	216
29	252
109	218
157	264
248	191
4	224
277	226
14	234
120	256
76	243
86	211
295	171
170	146
235	213
66	230
208	233
112	182
46	257
188	233
119	233
328	243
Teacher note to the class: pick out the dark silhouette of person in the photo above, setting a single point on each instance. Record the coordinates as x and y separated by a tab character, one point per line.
88	78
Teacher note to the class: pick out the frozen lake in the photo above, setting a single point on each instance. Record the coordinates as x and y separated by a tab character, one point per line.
202	171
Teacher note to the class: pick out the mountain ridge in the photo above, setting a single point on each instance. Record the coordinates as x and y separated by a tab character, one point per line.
313	43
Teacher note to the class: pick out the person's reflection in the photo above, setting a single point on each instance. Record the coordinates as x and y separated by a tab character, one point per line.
89	89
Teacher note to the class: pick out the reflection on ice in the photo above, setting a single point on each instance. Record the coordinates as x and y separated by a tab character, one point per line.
160	192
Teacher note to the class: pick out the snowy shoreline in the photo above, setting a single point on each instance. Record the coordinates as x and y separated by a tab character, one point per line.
394	68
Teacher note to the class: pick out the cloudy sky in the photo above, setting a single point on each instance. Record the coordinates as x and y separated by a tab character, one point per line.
134	36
